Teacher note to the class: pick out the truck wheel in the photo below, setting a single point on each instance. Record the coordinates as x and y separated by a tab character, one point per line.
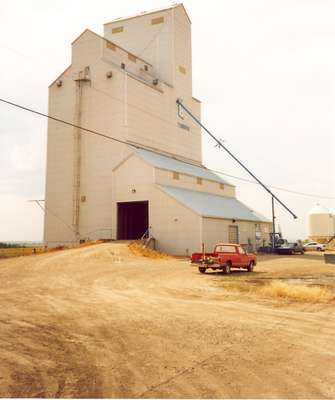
250	267
226	269
202	270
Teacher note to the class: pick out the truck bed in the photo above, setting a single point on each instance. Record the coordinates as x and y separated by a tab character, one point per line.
197	257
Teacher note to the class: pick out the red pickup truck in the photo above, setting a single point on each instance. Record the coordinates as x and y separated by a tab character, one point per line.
224	257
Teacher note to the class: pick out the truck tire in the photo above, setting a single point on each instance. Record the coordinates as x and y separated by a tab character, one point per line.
226	268
250	266
202	270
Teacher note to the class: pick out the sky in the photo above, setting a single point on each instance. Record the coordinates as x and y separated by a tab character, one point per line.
263	69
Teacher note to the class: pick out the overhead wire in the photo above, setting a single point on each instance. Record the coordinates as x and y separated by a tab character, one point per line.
138	146
45	209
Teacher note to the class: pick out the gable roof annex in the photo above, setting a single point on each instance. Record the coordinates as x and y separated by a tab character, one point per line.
213	206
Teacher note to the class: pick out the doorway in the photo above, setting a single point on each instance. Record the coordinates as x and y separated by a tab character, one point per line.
233	234
132	219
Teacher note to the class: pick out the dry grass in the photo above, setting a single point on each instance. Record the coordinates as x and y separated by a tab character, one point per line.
299	293
90	243
138	249
28	251
19	251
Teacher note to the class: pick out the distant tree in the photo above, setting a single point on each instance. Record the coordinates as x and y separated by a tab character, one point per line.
5	245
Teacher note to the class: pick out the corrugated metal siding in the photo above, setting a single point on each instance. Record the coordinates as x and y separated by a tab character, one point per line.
214	206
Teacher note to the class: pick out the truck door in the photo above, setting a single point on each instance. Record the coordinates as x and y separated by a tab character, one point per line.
243	256
236	257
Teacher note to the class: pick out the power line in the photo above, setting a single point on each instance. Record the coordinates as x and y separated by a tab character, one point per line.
274	187
45	209
217	145
93	132
66	122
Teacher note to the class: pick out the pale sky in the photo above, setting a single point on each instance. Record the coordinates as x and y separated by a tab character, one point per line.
263	69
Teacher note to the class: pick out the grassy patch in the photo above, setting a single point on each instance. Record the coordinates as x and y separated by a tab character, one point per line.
138	249
299	293
20	251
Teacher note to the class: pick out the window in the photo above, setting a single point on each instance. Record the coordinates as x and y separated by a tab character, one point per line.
83	199
123	65
146	68
118	29
158	20
221	186
241	250
199	181
175	175
224	249
182	69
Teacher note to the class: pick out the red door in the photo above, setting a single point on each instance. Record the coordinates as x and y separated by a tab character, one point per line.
236	258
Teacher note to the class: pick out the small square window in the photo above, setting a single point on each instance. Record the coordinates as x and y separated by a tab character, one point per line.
146	68
158	20
123	65
119	29
176	175
199	181
182	69
83	199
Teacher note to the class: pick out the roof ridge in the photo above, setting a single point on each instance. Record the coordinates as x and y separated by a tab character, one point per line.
183	167
109	41
143	13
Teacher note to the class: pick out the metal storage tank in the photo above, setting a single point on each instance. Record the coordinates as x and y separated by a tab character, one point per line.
332	212
320	224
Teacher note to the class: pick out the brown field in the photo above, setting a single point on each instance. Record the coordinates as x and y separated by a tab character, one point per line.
101	321
20	251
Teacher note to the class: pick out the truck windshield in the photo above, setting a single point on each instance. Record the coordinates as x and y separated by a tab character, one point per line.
225	249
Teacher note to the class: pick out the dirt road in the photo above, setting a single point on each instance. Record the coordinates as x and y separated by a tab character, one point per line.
101	322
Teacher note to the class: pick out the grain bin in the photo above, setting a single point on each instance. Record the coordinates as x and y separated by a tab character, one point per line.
320	224
332	212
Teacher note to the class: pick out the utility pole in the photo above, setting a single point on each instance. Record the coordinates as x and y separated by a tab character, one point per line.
273	223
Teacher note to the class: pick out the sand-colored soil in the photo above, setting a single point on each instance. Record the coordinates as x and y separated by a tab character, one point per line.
102	322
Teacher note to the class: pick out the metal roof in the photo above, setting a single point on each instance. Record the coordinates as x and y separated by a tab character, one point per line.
173	164
211	205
